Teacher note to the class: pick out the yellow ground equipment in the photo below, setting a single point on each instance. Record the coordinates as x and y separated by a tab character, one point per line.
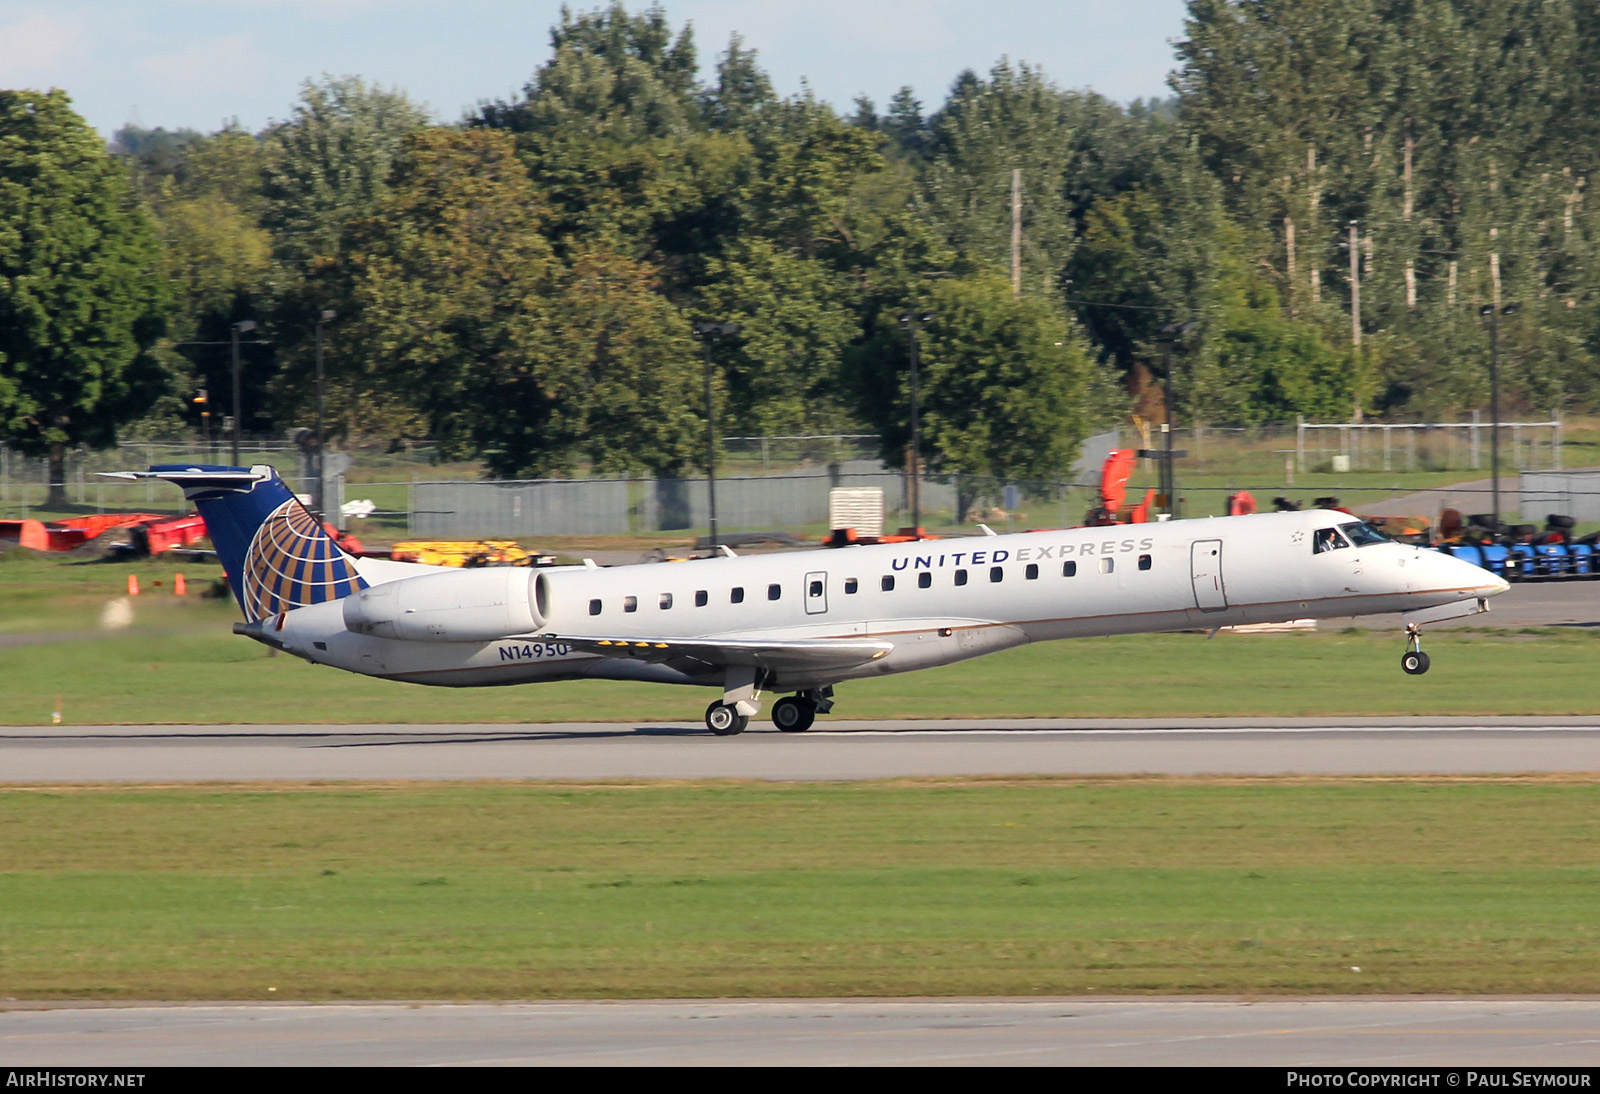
468	553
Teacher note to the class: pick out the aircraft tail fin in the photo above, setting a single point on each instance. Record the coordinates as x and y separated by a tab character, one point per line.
277	555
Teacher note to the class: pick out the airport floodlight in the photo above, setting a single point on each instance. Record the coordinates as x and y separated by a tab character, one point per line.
707	332
1488	314
243	326
317	499
912	321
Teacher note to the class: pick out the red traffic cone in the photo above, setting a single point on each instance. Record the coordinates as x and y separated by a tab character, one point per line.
178	586
133	584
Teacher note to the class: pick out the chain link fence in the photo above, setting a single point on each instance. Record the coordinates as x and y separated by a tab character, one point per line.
783	483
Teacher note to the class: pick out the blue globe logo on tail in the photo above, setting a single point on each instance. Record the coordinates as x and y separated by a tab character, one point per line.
293	563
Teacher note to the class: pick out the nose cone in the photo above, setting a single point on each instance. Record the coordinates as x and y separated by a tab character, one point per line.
1471	580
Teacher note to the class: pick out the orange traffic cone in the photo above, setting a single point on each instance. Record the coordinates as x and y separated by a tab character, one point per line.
179	587
133	584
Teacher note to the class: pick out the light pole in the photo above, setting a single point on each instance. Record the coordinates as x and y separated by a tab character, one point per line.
241	327
328	315
1493	319
912	321
707	332
1168	336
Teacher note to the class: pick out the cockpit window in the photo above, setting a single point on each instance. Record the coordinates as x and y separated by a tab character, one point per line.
1327	539
1361	533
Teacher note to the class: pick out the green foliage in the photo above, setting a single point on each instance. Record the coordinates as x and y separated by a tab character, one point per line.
1459	135
1452	131
782	370
81	297
627	356
451	288
1004	382
329	164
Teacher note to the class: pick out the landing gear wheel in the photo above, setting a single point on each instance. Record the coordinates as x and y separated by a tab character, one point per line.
794	714
1415	662
724	720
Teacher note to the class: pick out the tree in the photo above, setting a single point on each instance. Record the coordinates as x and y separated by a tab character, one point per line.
327	169
1007	388
206	206
451	289
81	296
1017	120
329	164
794	315
610	128
476	327
742	90
629	368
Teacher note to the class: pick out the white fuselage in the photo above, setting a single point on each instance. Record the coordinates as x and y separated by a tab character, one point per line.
936	601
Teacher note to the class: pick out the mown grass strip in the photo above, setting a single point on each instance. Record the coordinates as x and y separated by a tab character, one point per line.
707	889
173	674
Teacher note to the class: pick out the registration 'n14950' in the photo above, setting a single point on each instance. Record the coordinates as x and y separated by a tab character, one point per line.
534	651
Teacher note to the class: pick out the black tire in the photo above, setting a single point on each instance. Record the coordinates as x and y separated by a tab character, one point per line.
724	720
794	714
1415	662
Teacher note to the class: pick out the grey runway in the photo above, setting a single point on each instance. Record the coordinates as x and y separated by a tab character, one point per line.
1452	1033
834	750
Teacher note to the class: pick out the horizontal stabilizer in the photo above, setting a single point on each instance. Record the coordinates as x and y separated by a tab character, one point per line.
277	555
794	655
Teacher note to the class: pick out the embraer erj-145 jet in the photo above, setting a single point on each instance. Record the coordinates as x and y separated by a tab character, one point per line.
804	621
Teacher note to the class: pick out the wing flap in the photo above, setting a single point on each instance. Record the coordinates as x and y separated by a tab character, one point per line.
793	655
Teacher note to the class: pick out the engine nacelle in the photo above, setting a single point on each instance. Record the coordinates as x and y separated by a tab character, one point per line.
465	606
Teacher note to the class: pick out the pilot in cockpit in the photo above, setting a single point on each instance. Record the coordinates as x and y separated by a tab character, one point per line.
1327	539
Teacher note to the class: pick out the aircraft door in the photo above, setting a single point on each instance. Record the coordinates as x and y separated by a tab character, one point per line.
1205	567
816	593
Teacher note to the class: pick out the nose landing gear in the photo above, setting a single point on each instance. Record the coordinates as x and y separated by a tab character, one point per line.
1414	661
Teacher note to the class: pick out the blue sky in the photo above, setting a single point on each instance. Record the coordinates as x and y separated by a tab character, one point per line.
198	63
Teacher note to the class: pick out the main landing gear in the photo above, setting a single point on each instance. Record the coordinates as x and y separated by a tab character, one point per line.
724	719
1414	661
796	713
792	714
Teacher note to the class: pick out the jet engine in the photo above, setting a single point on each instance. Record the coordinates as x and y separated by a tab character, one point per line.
465	606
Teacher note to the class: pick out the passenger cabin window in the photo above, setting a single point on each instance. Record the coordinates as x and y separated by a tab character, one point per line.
851	585
887	583
1327	539
1069	569
1107	565
737	596
814	589
996	574
665	601
594	607
1144	562
961	577
630	603
925	580
701	598
1032	572
774	591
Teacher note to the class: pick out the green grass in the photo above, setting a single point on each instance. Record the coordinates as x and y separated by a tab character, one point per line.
913	888
210	676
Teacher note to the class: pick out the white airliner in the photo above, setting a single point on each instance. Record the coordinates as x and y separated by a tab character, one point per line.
803	621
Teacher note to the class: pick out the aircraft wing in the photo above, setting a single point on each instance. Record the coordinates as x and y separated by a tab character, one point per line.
792	655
